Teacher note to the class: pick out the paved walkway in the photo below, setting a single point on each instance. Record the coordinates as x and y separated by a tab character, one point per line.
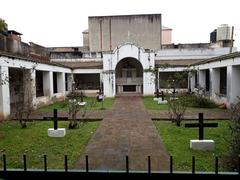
125	130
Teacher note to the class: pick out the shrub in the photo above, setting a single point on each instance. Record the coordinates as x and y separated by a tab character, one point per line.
234	142
199	102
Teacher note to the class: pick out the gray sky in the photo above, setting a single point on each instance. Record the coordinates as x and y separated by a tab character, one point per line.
61	22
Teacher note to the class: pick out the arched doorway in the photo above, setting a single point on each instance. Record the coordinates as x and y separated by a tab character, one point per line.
129	76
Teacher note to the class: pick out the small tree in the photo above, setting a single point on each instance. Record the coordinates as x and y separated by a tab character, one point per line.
3	25
74	105
235	137
24	95
176	109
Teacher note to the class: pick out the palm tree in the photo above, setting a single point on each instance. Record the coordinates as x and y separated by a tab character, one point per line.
3	25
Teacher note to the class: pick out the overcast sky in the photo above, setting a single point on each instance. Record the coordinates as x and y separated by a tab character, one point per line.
61	22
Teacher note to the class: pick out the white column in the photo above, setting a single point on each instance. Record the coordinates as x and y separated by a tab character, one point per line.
109	84
4	93
29	80
69	81
233	83
202	78
148	83
215	81
192	81
48	83
61	82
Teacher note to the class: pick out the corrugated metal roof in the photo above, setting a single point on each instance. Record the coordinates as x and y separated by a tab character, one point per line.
83	65
30	59
177	62
219	58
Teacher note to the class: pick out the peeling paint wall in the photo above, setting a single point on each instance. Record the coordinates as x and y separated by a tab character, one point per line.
107	32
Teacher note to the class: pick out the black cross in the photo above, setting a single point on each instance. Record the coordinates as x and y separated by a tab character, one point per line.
81	96
55	118
158	94
201	125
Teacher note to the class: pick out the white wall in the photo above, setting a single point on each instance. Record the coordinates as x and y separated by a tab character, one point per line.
127	50
4	93
234	83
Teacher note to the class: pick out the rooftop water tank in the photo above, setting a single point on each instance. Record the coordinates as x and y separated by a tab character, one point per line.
223	32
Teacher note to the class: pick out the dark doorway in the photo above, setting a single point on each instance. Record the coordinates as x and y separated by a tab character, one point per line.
129	88
87	81
55	82
39	84
207	80
223	80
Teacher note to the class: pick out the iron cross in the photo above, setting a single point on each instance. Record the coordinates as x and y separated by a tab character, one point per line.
201	126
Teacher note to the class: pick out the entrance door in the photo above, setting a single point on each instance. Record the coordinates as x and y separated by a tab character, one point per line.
129	88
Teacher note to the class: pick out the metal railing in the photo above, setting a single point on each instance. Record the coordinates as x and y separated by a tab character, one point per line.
7	173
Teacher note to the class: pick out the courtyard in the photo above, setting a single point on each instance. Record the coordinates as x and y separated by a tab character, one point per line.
126	128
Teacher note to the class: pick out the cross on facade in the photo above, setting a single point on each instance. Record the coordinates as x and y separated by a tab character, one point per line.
55	118
201	126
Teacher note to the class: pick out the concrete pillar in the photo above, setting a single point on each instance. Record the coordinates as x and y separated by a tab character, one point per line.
48	83
233	84
61	82
70	81
148	83
215	81
202	78
29	80
4	93
109	84
192	81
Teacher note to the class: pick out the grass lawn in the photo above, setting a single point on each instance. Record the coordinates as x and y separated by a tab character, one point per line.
92	104
149	103
34	142
176	140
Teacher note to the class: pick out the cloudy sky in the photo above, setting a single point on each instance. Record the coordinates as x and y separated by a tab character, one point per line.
61	22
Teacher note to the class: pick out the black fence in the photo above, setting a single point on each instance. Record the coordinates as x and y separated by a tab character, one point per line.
26	173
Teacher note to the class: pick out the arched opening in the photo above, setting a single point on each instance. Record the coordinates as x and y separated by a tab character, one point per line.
129	76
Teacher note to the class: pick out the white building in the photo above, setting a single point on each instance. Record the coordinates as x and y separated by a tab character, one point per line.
117	57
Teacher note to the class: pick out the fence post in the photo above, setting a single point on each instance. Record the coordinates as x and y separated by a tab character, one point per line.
216	165
193	164
149	164
45	162
4	163
86	163
171	164
238	164
127	165
66	163
24	162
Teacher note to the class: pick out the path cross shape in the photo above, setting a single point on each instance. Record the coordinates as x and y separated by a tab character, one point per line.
55	118
201	126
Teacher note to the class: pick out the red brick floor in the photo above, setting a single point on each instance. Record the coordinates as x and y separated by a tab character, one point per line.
125	130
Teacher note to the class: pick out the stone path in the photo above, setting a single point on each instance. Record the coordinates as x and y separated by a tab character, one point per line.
125	130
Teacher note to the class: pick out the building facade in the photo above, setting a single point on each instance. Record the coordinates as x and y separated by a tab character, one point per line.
120	55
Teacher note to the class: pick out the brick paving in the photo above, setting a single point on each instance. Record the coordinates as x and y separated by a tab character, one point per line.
125	130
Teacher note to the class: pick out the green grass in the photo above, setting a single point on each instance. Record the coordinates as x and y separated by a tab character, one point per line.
176	140
92	104
149	103
34	142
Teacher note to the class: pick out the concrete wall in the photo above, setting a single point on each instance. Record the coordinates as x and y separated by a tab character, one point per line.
233	83
194	53
31	67
166	36
107	32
